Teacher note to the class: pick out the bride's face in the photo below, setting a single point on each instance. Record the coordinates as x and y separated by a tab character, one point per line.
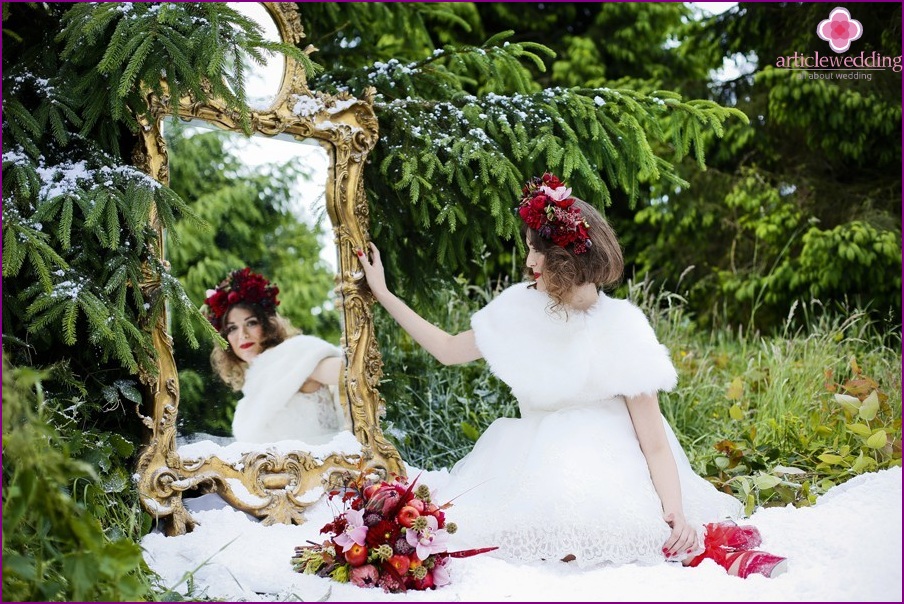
244	333
536	263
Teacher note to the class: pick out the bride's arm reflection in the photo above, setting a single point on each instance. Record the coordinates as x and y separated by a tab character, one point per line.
289	380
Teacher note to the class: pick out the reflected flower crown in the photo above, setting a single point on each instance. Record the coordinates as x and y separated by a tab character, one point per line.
241	285
548	208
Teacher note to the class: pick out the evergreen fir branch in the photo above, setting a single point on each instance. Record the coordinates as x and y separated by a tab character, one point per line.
112	226
135	65
70	314
13	253
98	200
64	228
22	126
120	46
20	177
22	242
137	211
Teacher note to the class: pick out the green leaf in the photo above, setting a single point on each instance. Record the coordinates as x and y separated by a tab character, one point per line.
736	413
470	431
766	481
864	463
787	470
831	459
851	403
129	391
735	390
859	429
877	440
870	406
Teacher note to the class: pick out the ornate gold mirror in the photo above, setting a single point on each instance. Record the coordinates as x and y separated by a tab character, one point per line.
276	481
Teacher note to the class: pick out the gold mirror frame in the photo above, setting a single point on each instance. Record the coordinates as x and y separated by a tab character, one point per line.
273	484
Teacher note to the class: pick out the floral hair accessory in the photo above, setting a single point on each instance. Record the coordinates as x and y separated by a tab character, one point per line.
240	286
548	208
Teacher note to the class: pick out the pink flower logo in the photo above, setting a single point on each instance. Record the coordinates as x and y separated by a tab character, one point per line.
839	30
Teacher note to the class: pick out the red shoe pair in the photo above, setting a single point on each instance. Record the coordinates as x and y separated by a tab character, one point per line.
731	547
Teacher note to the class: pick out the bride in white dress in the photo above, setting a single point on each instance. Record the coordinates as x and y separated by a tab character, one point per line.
591	472
289	382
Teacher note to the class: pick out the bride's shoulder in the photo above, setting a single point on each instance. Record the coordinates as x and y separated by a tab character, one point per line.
514	305
519	292
622	315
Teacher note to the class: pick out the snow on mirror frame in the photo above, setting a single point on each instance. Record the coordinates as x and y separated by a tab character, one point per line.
275	482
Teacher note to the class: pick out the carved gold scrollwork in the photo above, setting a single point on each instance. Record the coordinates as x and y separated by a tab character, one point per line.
274	485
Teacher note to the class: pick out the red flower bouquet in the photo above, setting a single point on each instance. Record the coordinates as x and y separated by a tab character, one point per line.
389	535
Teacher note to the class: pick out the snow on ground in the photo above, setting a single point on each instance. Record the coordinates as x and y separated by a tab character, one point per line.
847	547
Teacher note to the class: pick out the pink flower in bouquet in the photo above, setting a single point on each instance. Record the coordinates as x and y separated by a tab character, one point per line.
355	531
364	576
428	540
441	574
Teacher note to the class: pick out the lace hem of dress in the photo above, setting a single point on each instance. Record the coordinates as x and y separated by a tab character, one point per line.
588	544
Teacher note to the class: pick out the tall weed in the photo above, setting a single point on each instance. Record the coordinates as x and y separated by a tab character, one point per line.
54	545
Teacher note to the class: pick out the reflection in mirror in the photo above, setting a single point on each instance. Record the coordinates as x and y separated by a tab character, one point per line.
264	201
253	216
262	82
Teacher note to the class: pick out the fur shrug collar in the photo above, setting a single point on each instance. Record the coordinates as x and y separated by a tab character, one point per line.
551	360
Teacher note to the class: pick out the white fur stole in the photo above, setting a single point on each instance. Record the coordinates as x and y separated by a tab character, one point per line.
550	361
272	379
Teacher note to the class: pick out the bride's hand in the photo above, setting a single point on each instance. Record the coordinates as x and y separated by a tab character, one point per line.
373	271
683	539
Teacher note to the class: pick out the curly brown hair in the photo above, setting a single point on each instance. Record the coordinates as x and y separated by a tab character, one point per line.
602	264
230	367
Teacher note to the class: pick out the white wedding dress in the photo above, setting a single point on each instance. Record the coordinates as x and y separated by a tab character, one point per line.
569	477
274	409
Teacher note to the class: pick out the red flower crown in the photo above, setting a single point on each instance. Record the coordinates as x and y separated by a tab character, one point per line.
548	208
241	285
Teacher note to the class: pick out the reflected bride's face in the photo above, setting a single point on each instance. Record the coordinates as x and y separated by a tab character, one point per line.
244	333
536	263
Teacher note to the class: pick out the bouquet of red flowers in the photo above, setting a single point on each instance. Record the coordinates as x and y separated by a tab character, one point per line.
389	535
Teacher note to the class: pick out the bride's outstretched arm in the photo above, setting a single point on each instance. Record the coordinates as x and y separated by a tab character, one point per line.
447	348
647	420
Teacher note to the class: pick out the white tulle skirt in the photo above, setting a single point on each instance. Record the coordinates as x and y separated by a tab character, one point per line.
573	481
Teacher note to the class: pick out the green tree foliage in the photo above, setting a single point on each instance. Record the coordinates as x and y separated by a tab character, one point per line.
472	98
76	220
54	546
805	202
463	124
250	220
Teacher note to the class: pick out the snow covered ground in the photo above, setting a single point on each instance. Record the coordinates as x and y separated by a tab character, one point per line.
845	548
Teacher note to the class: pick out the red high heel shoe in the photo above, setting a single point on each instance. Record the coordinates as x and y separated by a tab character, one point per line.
730	546
745	563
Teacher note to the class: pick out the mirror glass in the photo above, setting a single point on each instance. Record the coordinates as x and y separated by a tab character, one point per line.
262	81
264	202
274	203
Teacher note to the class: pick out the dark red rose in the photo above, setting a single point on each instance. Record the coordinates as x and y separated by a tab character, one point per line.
551	180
